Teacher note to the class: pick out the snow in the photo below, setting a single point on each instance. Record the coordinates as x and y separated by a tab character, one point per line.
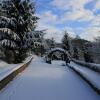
59	49
5	66
42	81
8	43
91	75
10	33
4	21
6	69
89	65
58	55
8	38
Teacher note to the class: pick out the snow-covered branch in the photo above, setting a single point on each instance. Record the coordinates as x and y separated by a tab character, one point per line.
8	32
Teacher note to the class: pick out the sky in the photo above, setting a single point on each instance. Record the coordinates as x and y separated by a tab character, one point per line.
77	17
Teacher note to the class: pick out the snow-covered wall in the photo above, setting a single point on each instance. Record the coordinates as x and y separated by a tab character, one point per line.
93	66
88	77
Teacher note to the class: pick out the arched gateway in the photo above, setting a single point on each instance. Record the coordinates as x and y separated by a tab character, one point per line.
58	54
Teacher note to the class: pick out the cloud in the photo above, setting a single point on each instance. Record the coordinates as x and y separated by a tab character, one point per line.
90	33
48	17
97	5
74	9
70	4
93	30
55	32
96	21
79	15
51	31
71	11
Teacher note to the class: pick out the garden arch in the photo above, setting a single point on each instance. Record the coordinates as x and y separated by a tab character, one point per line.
58	54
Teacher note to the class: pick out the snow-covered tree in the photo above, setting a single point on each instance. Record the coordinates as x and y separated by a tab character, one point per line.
51	43
17	25
97	40
75	54
80	45
88	57
66	41
39	42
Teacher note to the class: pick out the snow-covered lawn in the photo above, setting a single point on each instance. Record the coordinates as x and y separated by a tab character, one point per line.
4	65
6	69
42	81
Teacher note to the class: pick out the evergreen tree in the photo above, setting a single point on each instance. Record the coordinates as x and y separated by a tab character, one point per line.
16	23
88	57
66	41
39	42
50	43
75	55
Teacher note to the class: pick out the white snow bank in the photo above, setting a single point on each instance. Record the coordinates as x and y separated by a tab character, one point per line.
58	49
7	69
90	75
93	66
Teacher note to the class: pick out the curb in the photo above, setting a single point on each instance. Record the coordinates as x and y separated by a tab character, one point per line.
11	75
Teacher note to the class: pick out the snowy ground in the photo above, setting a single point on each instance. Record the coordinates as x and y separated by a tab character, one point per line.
4	67
41	81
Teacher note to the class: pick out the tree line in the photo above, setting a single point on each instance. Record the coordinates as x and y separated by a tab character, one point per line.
17	27
81	49
19	37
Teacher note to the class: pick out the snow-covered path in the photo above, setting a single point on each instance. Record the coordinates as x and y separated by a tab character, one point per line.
41	81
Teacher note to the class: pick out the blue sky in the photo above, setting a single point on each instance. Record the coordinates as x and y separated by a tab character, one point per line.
77	17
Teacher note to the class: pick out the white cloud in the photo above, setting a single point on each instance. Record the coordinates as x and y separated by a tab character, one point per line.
47	21
97	6
51	31
96	21
48	17
55	32
93	30
76	9
69	4
90	33
79	15
77	12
